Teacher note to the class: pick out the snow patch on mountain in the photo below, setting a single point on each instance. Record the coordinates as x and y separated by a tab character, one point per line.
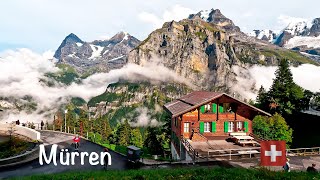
298	28
79	44
310	42
96	51
204	14
114	59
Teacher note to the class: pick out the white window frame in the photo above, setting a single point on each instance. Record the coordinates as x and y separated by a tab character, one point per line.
186	127
238	125
207	107
230	126
207	127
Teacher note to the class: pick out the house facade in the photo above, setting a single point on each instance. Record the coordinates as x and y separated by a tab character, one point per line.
201	116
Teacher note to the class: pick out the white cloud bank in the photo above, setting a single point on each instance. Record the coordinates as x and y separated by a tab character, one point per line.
21	71
306	76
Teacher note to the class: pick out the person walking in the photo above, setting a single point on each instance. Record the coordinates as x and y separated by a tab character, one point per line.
287	167
106	158
42	124
76	141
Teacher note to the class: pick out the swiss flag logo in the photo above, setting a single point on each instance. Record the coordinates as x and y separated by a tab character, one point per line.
273	153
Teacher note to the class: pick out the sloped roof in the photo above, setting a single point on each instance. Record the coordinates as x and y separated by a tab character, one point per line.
198	98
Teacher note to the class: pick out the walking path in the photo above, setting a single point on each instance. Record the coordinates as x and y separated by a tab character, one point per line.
63	141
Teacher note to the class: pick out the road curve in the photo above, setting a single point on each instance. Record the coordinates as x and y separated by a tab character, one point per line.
64	141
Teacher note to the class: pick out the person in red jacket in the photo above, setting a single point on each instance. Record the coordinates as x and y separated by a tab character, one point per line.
76	141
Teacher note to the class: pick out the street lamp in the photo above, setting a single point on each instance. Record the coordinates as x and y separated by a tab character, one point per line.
65	120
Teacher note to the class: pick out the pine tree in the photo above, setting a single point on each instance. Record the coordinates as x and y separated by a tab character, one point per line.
152	142
136	137
124	132
284	92
262	99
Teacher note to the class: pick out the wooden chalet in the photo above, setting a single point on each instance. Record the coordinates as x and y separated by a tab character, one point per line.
202	116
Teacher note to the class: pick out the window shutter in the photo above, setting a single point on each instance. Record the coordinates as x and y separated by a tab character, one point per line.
226	123
214	107
202	109
213	127
221	108
201	127
246	126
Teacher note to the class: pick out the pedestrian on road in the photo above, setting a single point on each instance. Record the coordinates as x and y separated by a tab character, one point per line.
312	168
42	124
106	159
287	167
76	141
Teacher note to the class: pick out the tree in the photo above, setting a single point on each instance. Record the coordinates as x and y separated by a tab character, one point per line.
272	128
262	99
136	137
123	133
152	142
284	96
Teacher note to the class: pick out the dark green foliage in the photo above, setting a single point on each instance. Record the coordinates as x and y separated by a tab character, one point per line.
182	173
78	101
272	128
284	96
153	142
67	75
136	137
13	147
108	97
123	134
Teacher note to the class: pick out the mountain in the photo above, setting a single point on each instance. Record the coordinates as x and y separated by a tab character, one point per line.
214	16
302	36
205	47
266	35
101	55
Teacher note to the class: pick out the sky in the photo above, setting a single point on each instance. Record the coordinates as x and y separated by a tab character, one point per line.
41	25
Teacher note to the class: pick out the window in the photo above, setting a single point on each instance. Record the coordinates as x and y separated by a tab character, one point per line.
231	127
206	127
186	127
175	122
207	108
240	126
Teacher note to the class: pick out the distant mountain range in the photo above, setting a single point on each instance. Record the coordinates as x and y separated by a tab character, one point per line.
99	55
301	36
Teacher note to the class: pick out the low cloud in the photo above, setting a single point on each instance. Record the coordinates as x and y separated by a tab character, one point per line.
176	13
251	79
21	73
144	119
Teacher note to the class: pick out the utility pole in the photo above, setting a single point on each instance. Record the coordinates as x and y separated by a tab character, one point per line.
65	120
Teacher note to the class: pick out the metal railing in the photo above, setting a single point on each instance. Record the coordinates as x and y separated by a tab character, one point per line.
303	151
192	152
232	152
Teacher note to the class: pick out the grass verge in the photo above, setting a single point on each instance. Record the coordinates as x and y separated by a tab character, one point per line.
181	173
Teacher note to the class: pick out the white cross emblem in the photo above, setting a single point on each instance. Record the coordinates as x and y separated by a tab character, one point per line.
273	153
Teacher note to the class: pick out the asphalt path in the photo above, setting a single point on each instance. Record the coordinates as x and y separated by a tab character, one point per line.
64	141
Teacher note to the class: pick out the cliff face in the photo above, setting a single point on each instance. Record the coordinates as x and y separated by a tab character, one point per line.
205	47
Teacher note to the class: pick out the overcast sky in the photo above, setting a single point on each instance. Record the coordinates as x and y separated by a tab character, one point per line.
42	24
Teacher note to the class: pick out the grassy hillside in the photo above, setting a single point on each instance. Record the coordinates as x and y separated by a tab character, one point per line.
181	173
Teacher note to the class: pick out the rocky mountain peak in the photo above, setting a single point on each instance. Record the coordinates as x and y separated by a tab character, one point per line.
72	38
120	36
215	16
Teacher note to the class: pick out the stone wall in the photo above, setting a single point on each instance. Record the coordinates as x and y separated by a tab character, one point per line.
20	130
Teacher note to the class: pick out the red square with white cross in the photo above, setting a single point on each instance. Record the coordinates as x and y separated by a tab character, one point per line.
273	153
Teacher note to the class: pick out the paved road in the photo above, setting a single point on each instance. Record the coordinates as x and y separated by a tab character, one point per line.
63	141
